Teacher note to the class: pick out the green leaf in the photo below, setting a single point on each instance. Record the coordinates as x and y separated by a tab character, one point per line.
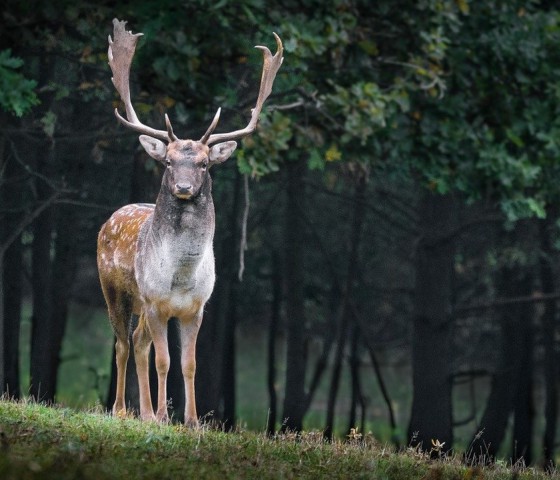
514	138
17	93
315	161
49	123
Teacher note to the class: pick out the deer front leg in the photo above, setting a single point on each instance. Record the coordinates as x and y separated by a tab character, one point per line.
142	341
189	331
158	331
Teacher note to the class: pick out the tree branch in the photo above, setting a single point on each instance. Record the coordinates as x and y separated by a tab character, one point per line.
27	220
506	302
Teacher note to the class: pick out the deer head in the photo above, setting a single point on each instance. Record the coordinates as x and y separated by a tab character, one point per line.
186	161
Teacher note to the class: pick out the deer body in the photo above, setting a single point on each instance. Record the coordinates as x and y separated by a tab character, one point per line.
157	261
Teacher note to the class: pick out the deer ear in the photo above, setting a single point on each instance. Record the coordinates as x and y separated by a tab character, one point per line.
154	148
221	152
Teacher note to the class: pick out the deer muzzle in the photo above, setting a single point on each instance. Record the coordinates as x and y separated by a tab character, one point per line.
184	191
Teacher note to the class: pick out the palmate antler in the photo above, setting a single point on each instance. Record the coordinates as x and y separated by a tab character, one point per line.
121	52
270	68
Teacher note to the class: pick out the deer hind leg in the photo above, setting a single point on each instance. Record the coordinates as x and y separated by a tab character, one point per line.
142	342
120	311
122	349
189	332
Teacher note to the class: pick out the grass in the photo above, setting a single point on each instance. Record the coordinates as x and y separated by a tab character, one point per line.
43	442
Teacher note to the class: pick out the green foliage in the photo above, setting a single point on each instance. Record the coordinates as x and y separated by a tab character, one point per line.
364	108
459	109
333	68
492	134
462	97
54	443
262	153
17	93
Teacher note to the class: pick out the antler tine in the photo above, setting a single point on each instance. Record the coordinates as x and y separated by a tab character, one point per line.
212	127
121	52
270	68
171	135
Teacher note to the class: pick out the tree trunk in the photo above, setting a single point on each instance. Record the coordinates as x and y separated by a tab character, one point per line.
64	269
207	386
506	383
378	375
328	341
231	250
272	335
228	366
42	384
2	238
343	328
346	307
13	267
431	416
294	281
11	279
523	407
52	282
357	399
549	327
2	323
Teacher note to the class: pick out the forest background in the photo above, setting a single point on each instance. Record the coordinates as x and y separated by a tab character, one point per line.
387	241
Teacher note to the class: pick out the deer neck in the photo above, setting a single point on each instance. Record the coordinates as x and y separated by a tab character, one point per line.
183	227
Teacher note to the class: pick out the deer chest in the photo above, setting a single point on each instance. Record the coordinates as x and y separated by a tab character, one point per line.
174	273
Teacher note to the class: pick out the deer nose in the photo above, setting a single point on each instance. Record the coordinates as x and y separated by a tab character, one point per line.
183	189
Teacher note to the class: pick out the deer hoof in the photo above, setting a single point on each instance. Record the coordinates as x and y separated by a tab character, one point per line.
148	417
120	413
192	423
162	417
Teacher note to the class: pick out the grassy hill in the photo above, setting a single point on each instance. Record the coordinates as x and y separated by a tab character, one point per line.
58	443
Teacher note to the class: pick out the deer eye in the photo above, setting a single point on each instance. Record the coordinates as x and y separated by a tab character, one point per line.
167	163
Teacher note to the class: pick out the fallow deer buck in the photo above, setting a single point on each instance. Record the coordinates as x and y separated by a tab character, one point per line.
157	261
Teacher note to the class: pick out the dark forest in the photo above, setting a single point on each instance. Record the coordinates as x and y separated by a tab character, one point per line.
394	211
